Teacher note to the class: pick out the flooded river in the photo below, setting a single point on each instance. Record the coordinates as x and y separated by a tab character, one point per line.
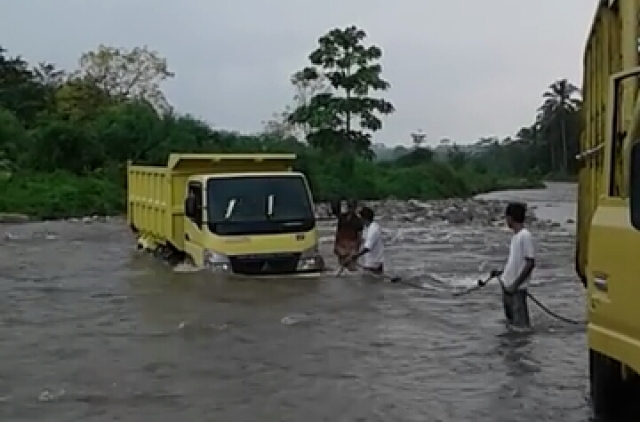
92	331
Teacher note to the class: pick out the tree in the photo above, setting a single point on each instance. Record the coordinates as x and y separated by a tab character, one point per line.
127	74
279	124
20	93
457	157
559	103
47	75
13	139
305	89
78	99
354	72
418	138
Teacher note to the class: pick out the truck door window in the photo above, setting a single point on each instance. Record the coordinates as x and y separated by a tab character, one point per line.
195	191
634	186
622	107
617	136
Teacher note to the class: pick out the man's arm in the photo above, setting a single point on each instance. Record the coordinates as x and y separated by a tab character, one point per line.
359	229
363	251
530	263
337	235
368	242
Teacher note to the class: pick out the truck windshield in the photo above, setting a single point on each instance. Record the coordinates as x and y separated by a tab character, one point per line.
259	205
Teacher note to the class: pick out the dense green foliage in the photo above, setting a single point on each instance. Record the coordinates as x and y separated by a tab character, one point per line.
352	69
65	137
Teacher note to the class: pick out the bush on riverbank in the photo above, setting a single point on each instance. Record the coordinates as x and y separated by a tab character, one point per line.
60	195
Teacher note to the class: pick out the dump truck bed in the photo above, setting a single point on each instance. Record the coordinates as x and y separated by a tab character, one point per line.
611	48
156	194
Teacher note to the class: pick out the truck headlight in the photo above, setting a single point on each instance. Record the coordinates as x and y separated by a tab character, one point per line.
311	260
216	261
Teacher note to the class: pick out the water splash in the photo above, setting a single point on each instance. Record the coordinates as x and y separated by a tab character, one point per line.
456	281
295	319
49	396
186	268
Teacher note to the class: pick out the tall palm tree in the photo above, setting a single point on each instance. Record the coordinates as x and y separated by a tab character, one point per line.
543	126
560	100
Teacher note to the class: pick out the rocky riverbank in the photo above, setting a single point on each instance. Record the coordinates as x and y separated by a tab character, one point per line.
451	211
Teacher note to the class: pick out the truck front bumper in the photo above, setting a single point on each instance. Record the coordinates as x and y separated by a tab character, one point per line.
276	264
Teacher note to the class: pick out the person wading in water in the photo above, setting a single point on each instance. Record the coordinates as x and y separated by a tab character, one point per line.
517	271
372	252
348	233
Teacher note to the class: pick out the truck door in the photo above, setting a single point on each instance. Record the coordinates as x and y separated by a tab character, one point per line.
194	222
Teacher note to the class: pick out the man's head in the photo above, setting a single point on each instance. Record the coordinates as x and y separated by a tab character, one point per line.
367	215
515	214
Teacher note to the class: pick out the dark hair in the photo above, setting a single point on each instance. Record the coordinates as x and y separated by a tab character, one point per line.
517	211
366	213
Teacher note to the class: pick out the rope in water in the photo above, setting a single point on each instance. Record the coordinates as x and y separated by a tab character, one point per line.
482	283
553	314
544	307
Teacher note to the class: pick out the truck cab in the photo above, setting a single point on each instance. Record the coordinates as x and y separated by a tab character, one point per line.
251	223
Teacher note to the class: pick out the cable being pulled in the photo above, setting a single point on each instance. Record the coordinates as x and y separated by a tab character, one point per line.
482	283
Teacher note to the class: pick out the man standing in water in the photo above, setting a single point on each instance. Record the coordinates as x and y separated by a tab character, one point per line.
348	234
517	271
372	251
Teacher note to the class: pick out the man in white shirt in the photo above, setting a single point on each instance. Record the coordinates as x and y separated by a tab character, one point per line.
517	271
372	253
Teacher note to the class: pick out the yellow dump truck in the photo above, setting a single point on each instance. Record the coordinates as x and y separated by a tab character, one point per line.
608	236
247	214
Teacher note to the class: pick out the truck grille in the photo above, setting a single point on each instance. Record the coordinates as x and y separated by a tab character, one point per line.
285	263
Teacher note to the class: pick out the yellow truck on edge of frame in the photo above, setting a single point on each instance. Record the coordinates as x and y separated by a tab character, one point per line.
608	235
247	214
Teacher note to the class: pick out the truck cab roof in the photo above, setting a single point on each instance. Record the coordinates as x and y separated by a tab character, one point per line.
248	174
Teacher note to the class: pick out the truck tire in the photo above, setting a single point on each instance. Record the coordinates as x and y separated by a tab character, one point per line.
612	396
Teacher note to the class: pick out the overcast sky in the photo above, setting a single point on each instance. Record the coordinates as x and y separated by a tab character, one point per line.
461	69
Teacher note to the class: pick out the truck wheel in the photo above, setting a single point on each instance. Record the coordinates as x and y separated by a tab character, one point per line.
612	396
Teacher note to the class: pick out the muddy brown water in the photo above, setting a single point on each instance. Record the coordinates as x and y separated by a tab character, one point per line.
93	331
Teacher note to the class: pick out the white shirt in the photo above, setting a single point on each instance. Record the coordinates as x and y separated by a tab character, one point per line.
520	249
372	240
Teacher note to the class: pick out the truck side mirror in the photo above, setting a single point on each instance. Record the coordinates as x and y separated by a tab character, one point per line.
634	186
190	207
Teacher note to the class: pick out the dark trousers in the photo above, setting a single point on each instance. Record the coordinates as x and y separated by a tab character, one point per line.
515	309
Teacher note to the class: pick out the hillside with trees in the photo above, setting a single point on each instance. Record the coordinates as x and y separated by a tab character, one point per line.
66	135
